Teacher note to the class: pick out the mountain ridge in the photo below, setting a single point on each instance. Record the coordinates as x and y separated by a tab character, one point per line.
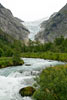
54	27
12	25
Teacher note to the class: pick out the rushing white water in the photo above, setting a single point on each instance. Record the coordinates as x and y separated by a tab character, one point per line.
33	27
12	79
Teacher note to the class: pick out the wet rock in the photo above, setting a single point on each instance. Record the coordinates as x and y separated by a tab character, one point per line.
27	91
27	64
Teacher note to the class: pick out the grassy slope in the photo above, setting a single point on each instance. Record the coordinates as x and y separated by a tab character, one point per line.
47	55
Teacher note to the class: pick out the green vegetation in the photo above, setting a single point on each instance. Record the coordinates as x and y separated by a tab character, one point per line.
58	46
10	51
54	51
9	61
47	55
14	48
52	84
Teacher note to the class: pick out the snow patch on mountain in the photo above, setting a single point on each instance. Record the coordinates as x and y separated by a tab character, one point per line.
33	27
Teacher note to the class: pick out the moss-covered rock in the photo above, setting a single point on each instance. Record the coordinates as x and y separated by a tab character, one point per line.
27	91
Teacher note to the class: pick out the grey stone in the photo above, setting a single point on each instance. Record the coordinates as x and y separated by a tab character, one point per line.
12	25
55	27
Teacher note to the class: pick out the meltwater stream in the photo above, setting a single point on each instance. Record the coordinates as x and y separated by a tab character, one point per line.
12	79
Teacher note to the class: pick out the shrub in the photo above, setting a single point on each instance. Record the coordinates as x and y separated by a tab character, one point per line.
53	84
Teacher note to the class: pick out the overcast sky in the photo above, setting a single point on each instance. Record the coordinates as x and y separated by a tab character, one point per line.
30	10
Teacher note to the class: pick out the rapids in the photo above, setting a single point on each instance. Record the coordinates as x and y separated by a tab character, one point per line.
12	79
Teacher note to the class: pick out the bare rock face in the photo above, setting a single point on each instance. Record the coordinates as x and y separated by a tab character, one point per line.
54	27
12	25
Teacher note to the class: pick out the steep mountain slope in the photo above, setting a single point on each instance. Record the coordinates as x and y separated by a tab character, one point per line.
12	25
54	27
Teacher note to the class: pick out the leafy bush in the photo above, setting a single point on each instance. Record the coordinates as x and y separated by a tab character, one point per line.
8	61
53	84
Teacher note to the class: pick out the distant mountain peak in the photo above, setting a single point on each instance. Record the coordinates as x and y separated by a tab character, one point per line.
54	27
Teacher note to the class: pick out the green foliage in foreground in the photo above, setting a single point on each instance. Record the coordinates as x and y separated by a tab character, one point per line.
46	55
9	61
52	84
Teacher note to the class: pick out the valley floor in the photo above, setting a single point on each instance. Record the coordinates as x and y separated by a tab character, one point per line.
9	61
46	55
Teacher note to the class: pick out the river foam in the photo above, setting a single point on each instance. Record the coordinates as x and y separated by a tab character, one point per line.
12	79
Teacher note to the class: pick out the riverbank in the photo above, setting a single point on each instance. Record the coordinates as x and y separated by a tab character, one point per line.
16	78
8	61
52	84
46	55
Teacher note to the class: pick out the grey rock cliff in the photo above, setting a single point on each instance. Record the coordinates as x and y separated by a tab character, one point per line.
54	27
12	25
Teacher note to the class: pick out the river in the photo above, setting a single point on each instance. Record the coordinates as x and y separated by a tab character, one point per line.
12	79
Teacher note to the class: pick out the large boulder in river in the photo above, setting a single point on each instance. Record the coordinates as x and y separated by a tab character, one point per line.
27	91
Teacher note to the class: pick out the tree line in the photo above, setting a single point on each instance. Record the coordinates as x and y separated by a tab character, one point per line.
59	45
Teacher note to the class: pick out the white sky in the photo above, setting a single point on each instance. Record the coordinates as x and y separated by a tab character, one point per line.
30	10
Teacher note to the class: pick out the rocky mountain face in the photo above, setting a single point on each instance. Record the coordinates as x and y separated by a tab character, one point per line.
12	25
55	27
